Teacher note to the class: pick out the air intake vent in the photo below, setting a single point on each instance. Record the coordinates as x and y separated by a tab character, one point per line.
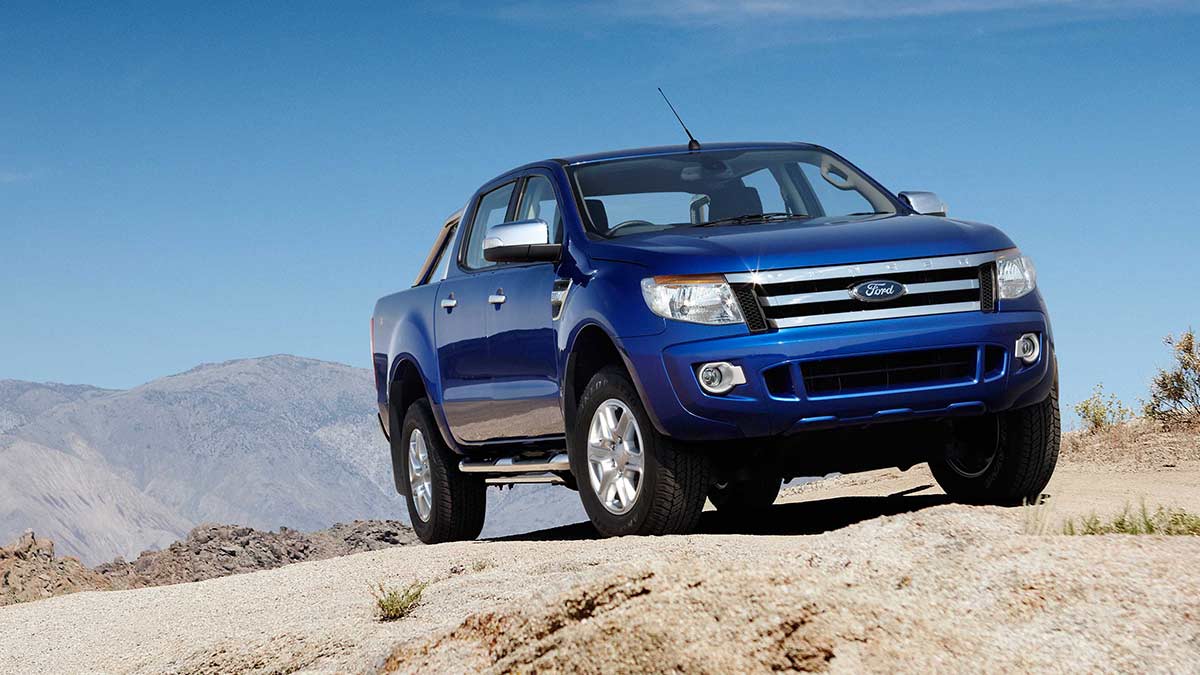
882	372
748	300
987	287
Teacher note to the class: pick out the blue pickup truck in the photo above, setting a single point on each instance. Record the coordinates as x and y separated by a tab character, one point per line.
661	326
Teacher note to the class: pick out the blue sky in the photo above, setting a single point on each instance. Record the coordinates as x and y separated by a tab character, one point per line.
192	183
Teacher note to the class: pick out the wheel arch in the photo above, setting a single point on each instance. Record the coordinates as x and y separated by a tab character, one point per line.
591	350
406	385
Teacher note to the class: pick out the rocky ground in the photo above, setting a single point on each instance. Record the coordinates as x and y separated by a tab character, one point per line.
29	569
874	572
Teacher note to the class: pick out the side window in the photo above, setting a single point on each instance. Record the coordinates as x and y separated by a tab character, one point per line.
493	206
539	201
443	263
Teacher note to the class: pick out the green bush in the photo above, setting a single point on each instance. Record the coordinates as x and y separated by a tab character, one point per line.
1175	393
392	604
1099	413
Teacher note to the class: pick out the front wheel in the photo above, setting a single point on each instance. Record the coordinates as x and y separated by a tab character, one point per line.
444	504
632	480
1005	459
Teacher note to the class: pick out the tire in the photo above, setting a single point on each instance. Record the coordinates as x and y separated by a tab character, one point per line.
1024	447
672	482
748	494
456	503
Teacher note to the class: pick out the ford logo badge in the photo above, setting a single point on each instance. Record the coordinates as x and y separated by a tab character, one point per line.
879	290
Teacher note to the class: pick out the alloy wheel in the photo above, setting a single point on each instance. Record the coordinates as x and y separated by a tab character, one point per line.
616	460
420	480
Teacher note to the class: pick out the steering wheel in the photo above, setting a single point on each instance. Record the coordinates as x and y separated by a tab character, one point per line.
627	223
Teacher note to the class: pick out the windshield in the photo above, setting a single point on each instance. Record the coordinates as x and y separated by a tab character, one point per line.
724	187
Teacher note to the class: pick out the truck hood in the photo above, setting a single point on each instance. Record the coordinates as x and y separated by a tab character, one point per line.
812	243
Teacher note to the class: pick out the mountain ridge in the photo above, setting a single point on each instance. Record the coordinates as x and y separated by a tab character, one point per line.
273	441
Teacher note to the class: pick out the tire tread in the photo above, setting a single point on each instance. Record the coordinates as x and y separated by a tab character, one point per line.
459	501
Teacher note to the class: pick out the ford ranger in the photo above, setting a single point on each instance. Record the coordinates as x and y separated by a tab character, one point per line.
664	326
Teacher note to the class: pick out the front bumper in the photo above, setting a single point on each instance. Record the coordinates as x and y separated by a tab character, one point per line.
680	409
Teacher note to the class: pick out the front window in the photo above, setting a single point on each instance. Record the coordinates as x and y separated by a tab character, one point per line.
725	187
539	200
492	210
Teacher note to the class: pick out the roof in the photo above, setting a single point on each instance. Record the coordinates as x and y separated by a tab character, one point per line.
673	150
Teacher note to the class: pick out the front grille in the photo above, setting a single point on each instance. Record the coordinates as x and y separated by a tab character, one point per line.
821	295
881	372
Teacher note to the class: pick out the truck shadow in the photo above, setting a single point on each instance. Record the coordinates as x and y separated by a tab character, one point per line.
796	518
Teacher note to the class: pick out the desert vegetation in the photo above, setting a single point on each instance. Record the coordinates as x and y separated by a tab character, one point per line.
1160	521
392	604
1175	391
1101	413
1174	394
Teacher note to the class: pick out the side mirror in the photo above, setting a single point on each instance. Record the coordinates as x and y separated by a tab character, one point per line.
520	241
925	203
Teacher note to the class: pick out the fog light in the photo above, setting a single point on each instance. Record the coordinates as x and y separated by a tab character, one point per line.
719	377
1029	347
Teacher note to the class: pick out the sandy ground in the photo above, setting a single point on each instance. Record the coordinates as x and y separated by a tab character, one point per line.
873	572
1075	491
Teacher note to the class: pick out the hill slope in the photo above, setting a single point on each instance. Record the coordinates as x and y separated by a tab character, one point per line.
266	442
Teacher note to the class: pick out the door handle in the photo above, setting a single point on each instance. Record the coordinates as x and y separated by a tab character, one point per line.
449	303
497	299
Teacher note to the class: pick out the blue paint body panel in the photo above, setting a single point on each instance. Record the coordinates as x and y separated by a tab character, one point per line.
495	374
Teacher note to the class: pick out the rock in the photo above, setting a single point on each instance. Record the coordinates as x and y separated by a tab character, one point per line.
29	571
220	550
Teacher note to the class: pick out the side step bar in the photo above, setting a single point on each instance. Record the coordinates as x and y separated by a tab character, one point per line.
558	462
543	478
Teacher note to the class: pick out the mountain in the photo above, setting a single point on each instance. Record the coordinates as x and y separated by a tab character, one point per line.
265	442
22	401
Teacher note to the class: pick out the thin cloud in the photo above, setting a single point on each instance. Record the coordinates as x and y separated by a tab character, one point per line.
706	12
849	10
17	176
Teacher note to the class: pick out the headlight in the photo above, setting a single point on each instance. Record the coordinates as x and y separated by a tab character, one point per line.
1016	274
698	299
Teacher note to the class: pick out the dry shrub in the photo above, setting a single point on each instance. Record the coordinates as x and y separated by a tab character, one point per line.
1100	413
392	604
1175	393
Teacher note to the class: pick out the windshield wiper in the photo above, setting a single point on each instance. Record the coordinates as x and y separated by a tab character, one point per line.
754	218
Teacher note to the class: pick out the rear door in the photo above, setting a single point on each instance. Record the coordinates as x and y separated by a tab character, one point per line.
521	331
460	323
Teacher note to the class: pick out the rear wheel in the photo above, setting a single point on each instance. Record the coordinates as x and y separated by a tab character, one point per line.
632	480
743	494
444	504
1006	458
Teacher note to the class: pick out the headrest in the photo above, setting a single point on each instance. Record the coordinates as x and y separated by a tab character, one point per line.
598	214
734	201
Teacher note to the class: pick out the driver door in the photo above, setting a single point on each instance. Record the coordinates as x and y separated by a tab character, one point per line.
522	341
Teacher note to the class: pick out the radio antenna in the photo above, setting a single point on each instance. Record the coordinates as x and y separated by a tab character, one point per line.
693	144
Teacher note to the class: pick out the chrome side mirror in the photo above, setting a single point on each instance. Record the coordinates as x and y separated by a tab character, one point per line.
925	203
520	241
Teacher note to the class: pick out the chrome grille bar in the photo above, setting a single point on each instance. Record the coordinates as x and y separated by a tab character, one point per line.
862	269
872	314
831	296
